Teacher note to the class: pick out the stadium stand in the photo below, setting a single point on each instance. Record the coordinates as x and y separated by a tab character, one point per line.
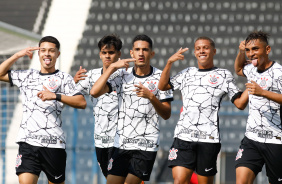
171	24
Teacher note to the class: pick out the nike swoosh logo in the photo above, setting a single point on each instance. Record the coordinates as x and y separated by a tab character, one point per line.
144	174
57	177
279	179
207	170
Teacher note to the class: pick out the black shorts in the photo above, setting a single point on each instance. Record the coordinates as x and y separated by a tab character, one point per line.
254	155
136	162
103	157
197	156
34	159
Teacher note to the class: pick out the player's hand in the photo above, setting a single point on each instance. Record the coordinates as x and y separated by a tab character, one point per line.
177	56
254	89
142	91
122	63
242	47
46	95
80	74
26	52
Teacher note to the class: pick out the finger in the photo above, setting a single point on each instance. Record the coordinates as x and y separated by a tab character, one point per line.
33	48
184	50
80	67
46	89
129	60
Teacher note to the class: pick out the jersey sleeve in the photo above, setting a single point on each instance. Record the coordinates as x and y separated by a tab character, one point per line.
177	80
114	82
230	87
69	88
166	96
84	86
17	77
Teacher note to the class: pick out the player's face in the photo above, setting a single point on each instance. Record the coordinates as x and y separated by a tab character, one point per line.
204	53
142	52
257	51
48	54
109	55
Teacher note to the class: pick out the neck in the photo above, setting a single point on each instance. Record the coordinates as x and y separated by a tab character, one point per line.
266	65
141	71
49	70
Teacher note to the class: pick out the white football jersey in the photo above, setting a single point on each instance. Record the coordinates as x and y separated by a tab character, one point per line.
138	121
202	91
264	120
105	110
41	123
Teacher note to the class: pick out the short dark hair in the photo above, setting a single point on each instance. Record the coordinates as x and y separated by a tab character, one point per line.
143	37
50	39
206	38
258	35
110	40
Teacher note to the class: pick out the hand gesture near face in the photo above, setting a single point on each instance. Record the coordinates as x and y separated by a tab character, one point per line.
123	63
80	74
27	52
178	55
46	95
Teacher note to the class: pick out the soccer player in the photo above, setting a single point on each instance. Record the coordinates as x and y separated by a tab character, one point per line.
262	143
140	104
196	137
105	107
41	138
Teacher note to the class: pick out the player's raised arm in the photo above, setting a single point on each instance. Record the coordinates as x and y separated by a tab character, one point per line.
6	65
163	83
240	59
100	87
80	74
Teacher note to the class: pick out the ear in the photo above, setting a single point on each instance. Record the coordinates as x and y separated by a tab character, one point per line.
131	53
119	54
268	49
214	51
59	54
152	54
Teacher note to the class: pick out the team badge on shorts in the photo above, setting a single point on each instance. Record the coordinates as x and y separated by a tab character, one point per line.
18	160
239	154
172	154
110	165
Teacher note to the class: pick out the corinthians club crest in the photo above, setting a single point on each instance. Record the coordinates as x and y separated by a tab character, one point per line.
152	86
263	83
213	79
52	83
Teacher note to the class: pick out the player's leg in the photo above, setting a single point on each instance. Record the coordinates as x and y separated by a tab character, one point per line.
181	175
28	178
27	164
244	175
273	162
141	166
206	161
249	161
118	166
53	163
182	159
103	157
131	179
113	179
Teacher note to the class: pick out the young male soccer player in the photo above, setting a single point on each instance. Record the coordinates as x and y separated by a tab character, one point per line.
105	107
41	138
196	137
262	143
140	104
